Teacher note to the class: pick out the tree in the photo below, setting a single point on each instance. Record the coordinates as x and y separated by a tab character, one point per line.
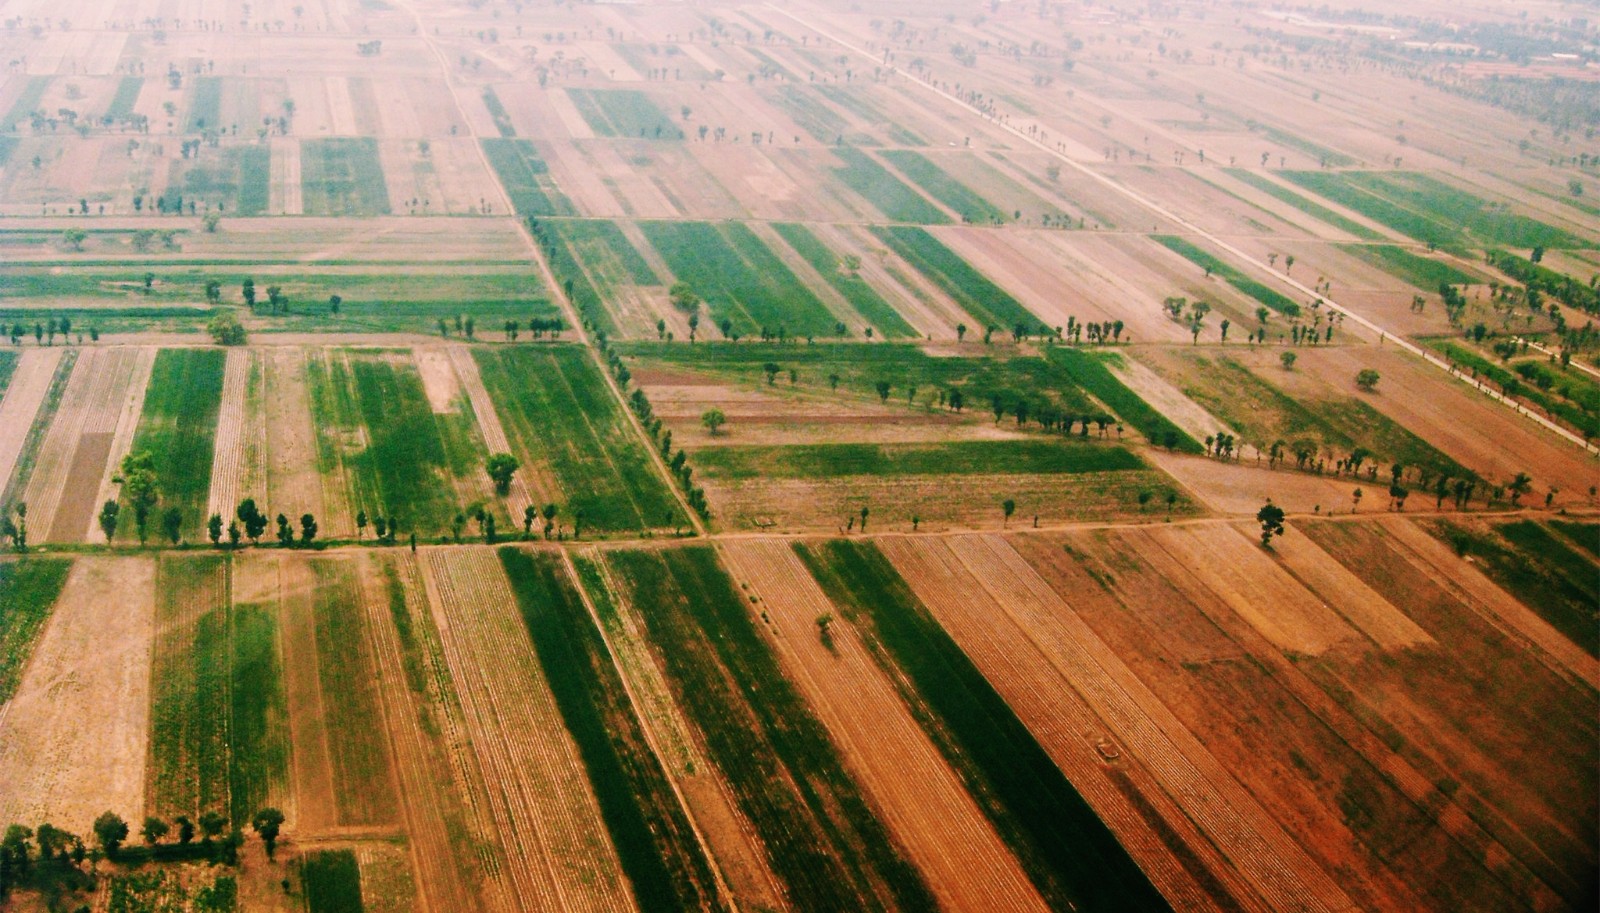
234	534
683	297
211	824
172	524
883	389
266	824
211	221
1355	497
961	332
771	368
1270	516
110	830
1288	359
501	467
255	522
1367	379
285	531
108	518
214	529
138	481
74	237
549	514
308	529
248	289
1519	486
864	512
1009	507
185	829
713	419
226	330
154	829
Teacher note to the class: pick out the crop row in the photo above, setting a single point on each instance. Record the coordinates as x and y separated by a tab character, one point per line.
259	725
342	176
988	304
1307	206
524	175
824	842
1090	372
944	188
188	771
1423	272
625	113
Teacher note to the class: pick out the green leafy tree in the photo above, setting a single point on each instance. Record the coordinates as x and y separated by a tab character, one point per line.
1367	379
1270	516
1008	507
154	829
226	330
308	529
1288	359
138	481
110	831
108	518
883	389
212	823
172	524
501	467
255	522
713	420
266	824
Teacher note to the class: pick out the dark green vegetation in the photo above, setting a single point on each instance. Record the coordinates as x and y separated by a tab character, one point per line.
1069	854
1307	206
178	428
28	590
1425	273
596	259
887	193
558	412
988	304
127	96
26	104
235	180
8	365
341	176
1430	210
1566	289
739	278
331	880
259	767
623	113
867	302
407	469
1262	414
188	769
815	461
1562	392
1089	371
942	187
525	177
1278	301
1541	569
653	837
357	744
825	844
502	120
1585	535
205	105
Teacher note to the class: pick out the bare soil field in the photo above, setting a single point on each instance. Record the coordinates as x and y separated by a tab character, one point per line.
239	467
93	652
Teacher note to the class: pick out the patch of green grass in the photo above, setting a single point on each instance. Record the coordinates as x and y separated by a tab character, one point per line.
988	304
502	120
255	180
1272	298
825	844
739	278
1345	191
259	720
1089	371
653	837
331	880
350	708
862	296
1305	205
887	193
188	770
944	188
1423	272
1069	854
205	105
28	591
1547	575
525	177
818	461
235	180
127	96
1488	223
178	428
626	113
27	102
557	410
853	98
341	176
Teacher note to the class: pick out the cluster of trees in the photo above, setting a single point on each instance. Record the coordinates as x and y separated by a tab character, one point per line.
537	326
45	333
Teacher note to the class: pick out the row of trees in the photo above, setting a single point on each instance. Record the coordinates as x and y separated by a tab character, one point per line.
44	333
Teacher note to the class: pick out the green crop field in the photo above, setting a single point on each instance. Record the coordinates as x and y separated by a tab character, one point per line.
1585	535
1425	273
1305	205
809	113
1070	855
178	428
739	278
988	304
626	113
235	180
944	188
407	469
26	104
358	747
822	838
654	839
862	296
819	461
28	591
596	258
557	410
857	100
205	105
525	177
1272	298
188	768
341	176
8	365
1089	371
887	193
331	880
127	96
502	120
258	722
1328	158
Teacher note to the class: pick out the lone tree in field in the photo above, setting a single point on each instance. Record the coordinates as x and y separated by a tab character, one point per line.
226	330
1008	507
1270	516
214	529
266	824
713	419
864	512
772	370
1288	359
138	481
110	830
1519	486
108	519
883	389
1367	379
501	467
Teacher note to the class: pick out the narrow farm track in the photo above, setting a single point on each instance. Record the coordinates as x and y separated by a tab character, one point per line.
1038	623
925	804
24	397
558	856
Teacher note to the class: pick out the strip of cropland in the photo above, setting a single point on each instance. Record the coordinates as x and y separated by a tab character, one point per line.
807	461
989	305
28	590
862	296
187	772
178	430
946	189
1273	299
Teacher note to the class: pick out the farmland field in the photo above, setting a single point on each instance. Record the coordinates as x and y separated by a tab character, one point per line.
988	304
343	177
28	589
526	178
177	429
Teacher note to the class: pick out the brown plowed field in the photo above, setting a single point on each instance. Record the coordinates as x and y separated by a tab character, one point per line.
293	484
924	802
93	655
557	853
